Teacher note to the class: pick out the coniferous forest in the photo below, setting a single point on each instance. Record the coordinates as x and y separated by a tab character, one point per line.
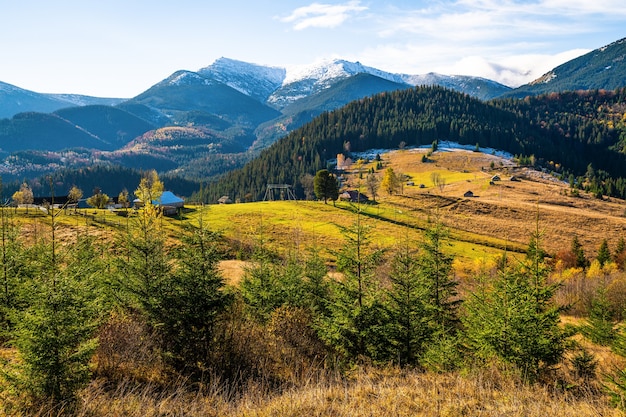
567	133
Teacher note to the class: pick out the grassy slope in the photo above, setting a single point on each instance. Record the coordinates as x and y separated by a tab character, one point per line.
502	215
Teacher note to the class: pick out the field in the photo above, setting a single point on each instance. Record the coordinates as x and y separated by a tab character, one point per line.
499	217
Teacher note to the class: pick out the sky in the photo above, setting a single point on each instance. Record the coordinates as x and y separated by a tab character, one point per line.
120	48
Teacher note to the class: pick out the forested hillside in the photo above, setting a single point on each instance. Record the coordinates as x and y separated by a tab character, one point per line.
565	132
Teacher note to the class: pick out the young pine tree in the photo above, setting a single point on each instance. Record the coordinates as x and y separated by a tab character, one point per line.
144	269
515	320
192	301
409	326
55	333
16	269
600	326
604	254
441	302
355	327
579	253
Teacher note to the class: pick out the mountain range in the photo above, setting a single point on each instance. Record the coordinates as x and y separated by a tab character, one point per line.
197	124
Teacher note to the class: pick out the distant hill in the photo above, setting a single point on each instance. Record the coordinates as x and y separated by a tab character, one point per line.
601	69
15	100
44	131
113	126
305	109
557	130
205	123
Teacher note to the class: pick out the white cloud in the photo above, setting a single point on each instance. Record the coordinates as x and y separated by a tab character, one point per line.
322	15
509	41
514	70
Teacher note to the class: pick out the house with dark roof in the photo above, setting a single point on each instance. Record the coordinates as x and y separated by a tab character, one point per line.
353	196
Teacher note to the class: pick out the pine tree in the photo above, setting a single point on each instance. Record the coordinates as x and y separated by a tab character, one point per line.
17	268
192	300
436	268
579	253
55	333
600	326
258	287
355	327
145	267
317	287
604	254
409	326
514	319
441	300
325	186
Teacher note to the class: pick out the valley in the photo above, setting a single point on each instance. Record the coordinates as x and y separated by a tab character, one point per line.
287	368
454	247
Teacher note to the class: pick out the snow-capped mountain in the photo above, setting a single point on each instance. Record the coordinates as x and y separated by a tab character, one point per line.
307	80
280	87
254	80
183	77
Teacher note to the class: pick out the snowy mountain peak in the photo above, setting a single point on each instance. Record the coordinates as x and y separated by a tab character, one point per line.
255	80
185	78
333	69
226	66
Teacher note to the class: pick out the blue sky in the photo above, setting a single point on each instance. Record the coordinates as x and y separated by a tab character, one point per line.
119	48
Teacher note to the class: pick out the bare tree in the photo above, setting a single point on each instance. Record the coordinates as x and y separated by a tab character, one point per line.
372	182
307	186
438	181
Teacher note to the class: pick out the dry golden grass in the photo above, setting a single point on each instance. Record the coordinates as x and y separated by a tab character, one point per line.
232	270
375	392
506	210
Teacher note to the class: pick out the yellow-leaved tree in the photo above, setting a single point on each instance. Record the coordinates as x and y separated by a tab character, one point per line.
150	188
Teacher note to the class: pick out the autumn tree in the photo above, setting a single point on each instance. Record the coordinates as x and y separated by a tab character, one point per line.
390	181
74	196
98	200
24	195
150	187
122	198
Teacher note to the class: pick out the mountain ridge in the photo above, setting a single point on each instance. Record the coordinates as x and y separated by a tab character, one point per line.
600	69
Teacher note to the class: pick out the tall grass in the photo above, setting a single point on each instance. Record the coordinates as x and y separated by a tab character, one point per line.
364	392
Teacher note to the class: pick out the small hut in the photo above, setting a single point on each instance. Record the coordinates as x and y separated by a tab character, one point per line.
468	194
